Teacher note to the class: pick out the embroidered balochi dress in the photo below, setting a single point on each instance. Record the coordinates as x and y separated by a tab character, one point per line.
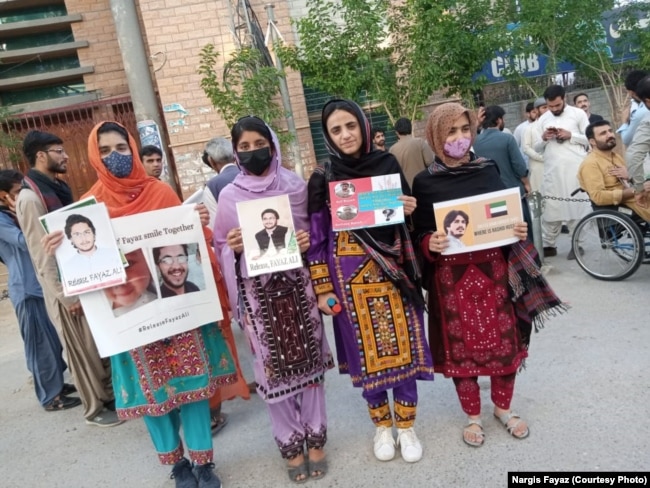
280	316
380	338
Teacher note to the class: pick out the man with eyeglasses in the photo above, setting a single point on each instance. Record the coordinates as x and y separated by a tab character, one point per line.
45	192
88	258
172	264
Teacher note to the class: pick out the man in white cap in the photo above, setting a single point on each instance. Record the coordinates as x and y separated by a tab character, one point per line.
535	159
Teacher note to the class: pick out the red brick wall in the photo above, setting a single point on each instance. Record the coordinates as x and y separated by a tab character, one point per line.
103	53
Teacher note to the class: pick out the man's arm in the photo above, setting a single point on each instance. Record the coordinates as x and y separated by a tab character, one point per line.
538	142
11	233
516	159
427	153
579	137
628	130
592	180
637	153
527	143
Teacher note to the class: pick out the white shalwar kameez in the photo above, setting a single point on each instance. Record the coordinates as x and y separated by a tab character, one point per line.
561	163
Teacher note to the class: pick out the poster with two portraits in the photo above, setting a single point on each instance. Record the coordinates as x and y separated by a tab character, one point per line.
169	286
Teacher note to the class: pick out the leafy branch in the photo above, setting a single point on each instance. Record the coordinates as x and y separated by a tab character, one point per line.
245	86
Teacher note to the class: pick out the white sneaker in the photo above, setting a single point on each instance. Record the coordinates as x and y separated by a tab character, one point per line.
409	444
384	444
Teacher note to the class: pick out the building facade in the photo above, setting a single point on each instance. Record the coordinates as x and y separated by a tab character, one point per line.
62	69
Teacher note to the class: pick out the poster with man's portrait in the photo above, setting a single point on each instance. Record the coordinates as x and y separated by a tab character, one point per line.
269	235
479	222
88	258
169	287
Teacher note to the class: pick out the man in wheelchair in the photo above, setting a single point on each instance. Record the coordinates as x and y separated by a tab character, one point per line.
604	176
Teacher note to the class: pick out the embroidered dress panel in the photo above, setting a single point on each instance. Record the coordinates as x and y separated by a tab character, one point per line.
381	321
292	348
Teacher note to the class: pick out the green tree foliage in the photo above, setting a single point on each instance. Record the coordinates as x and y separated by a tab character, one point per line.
572	31
245	86
396	53
451	40
344	50
9	142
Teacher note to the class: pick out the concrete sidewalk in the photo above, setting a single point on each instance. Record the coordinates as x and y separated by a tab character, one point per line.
585	394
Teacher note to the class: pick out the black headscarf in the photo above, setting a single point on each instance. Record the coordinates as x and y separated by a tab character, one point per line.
372	162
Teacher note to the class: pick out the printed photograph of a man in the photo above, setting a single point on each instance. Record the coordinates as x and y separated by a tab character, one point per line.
347	212
139	288
88	257
344	189
172	263
455	224
273	237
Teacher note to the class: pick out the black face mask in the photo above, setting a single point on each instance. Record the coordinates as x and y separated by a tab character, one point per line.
256	161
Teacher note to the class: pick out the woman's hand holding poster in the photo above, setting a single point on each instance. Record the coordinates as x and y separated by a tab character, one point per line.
479	222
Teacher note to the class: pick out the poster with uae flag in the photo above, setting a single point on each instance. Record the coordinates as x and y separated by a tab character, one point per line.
480	221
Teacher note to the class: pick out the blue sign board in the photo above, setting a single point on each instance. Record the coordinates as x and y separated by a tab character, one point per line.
535	64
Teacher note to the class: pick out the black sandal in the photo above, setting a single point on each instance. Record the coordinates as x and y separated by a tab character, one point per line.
61	402
68	389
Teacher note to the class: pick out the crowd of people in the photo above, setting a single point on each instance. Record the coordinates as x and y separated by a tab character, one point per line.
375	282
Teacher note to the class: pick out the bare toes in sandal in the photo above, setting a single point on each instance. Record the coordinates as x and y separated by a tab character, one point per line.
473	434
514	424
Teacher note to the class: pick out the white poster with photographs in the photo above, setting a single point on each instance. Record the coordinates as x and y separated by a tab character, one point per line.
268	234
88	258
169	287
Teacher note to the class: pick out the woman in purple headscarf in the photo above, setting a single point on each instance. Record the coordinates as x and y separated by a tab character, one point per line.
278	305
373	275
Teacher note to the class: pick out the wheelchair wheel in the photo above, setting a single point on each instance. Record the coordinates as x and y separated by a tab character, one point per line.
608	245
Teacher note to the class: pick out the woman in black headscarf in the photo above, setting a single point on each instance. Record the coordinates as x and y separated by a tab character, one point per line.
373	276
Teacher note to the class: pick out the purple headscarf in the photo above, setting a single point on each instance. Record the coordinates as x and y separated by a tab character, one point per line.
246	186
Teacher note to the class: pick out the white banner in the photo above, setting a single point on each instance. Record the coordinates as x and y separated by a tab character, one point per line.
169	287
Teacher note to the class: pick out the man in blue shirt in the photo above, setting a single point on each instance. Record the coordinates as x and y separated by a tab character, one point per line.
42	345
492	143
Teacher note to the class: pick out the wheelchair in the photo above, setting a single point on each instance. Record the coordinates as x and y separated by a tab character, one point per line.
611	242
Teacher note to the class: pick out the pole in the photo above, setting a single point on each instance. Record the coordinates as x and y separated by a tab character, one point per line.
286	102
535	205
138	76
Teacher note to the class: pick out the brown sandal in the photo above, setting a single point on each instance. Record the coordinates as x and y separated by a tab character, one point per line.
61	402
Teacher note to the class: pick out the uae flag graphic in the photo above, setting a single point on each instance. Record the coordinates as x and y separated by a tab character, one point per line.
496	209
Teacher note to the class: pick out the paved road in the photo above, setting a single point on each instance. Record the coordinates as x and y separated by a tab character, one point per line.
585	393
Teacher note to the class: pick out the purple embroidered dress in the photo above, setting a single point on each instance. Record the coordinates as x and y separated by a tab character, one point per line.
380	336
286	332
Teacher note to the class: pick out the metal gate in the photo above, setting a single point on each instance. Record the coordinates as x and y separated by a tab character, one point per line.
72	124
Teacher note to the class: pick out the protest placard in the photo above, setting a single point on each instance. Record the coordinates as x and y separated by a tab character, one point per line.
366	202
88	259
269	235
481	221
169	288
